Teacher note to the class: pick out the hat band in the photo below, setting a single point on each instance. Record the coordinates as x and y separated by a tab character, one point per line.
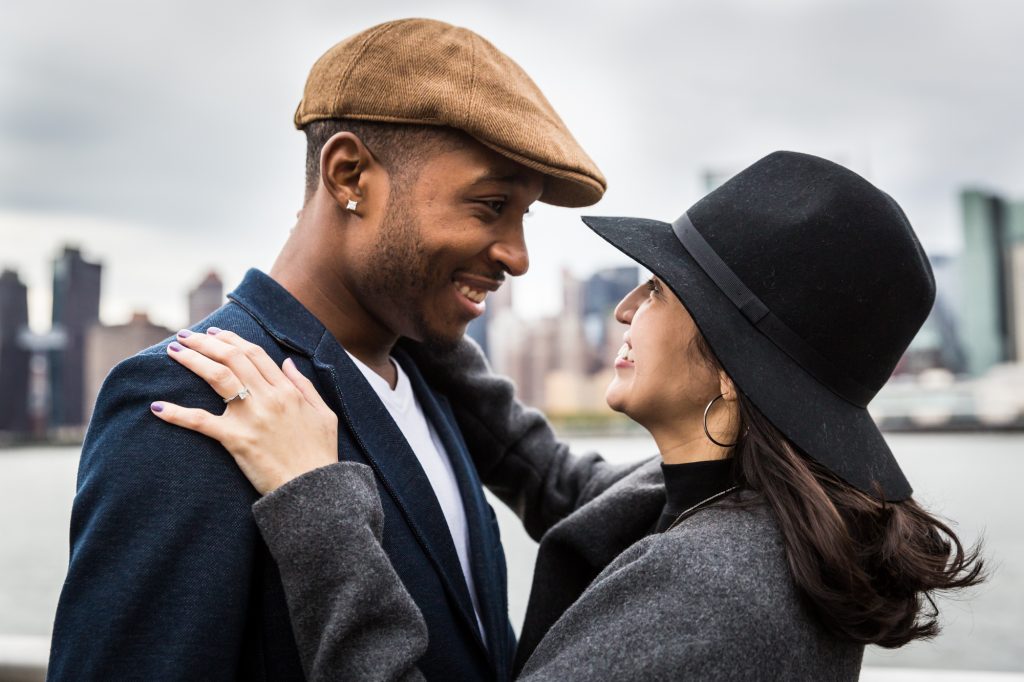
764	320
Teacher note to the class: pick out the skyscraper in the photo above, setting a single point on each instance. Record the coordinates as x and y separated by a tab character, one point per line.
76	308
205	298
1016	284
106	346
601	294
987	316
14	359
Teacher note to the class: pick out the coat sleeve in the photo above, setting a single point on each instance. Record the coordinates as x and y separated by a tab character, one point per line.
515	450
353	618
162	540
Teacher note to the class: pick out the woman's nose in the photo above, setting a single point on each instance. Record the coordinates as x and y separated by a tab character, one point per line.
625	309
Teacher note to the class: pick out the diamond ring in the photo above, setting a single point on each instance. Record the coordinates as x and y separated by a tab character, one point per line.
241	395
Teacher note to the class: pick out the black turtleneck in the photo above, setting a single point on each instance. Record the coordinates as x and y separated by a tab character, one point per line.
690	483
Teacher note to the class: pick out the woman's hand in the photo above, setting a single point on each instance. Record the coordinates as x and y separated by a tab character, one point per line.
280	430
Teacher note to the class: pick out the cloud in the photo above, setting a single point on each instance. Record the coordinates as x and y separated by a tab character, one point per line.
177	115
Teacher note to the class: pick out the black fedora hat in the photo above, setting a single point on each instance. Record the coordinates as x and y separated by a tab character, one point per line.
808	283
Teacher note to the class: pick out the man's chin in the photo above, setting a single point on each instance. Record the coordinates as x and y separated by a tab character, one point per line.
440	340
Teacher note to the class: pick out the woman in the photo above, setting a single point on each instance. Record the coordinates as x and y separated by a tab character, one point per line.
774	536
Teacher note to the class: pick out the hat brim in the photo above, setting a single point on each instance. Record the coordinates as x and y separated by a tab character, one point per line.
839	435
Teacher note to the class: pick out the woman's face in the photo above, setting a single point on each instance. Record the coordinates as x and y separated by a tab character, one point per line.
660	378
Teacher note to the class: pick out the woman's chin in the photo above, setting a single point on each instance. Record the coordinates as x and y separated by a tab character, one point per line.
616	398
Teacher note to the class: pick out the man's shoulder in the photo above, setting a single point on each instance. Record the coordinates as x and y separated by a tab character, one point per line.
151	368
125	441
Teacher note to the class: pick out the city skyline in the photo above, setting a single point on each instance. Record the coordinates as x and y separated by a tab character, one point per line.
116	137
536	294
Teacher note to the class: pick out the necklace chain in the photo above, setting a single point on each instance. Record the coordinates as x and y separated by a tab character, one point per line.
700	504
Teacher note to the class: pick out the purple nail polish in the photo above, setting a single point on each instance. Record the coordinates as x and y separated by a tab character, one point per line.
213	330
175	346
184	333
157	407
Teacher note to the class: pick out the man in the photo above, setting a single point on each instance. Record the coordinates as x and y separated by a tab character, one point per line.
426	146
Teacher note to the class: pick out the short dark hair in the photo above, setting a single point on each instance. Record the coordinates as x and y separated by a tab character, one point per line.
401	148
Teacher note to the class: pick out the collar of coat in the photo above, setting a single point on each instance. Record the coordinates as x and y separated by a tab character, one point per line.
576	549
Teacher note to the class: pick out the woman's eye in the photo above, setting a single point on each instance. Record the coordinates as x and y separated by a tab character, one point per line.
496	205
652	285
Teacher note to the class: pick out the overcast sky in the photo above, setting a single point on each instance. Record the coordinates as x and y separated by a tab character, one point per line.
158	136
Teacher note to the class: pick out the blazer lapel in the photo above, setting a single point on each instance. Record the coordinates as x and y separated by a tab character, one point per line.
486	557
392	459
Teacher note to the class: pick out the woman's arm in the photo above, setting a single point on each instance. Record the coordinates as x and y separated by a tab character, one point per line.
514	448
352	617
322	519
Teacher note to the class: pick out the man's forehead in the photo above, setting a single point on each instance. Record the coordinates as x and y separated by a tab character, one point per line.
518	175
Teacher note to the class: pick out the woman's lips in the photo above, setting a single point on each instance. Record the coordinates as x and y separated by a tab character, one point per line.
624	358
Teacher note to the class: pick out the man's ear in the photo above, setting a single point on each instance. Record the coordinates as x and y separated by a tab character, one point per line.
344	161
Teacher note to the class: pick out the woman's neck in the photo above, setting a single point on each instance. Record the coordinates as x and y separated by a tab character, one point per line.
677	447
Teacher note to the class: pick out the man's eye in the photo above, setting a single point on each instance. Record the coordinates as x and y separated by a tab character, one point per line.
652	285
496	205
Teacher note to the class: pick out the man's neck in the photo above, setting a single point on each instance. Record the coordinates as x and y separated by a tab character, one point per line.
323	292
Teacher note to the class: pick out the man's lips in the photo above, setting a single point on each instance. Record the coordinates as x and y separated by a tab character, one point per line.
475	287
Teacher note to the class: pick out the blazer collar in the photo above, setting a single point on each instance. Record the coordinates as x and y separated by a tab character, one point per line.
280	313
487	566
382	443
388	453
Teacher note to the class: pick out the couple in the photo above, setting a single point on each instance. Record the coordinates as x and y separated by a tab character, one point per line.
329	522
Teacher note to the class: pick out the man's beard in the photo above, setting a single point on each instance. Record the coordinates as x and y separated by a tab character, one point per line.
399	273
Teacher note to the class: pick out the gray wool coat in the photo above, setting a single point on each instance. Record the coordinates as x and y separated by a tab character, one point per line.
711	599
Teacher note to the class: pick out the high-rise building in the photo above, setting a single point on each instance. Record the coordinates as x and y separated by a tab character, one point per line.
938	343
106	346
601	294
76	308
205	298
987	320
14	358
1016	233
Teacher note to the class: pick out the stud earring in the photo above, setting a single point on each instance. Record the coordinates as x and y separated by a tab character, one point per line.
351	205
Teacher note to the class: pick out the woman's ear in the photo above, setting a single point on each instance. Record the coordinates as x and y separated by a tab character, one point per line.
726	387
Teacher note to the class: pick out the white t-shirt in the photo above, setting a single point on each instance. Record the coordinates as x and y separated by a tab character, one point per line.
423	439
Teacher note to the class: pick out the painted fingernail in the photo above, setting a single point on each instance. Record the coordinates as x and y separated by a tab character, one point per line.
213	330
157	407
175	346
184	333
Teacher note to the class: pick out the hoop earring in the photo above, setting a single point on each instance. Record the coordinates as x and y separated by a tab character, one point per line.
708	433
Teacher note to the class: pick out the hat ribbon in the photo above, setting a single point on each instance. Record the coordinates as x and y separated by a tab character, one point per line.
764	320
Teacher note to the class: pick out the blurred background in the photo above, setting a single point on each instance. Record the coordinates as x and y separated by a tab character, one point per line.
147	159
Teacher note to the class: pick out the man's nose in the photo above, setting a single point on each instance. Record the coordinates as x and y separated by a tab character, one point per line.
511	253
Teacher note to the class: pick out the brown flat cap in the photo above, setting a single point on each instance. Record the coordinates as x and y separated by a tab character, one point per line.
432	73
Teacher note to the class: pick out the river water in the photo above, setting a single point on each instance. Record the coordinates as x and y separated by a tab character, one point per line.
974	479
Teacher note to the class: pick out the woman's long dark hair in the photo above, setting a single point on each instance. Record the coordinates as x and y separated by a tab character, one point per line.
864	567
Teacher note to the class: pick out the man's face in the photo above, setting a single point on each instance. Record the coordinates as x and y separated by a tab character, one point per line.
447	239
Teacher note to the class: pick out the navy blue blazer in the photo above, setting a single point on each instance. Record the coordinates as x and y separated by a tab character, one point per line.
169	578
